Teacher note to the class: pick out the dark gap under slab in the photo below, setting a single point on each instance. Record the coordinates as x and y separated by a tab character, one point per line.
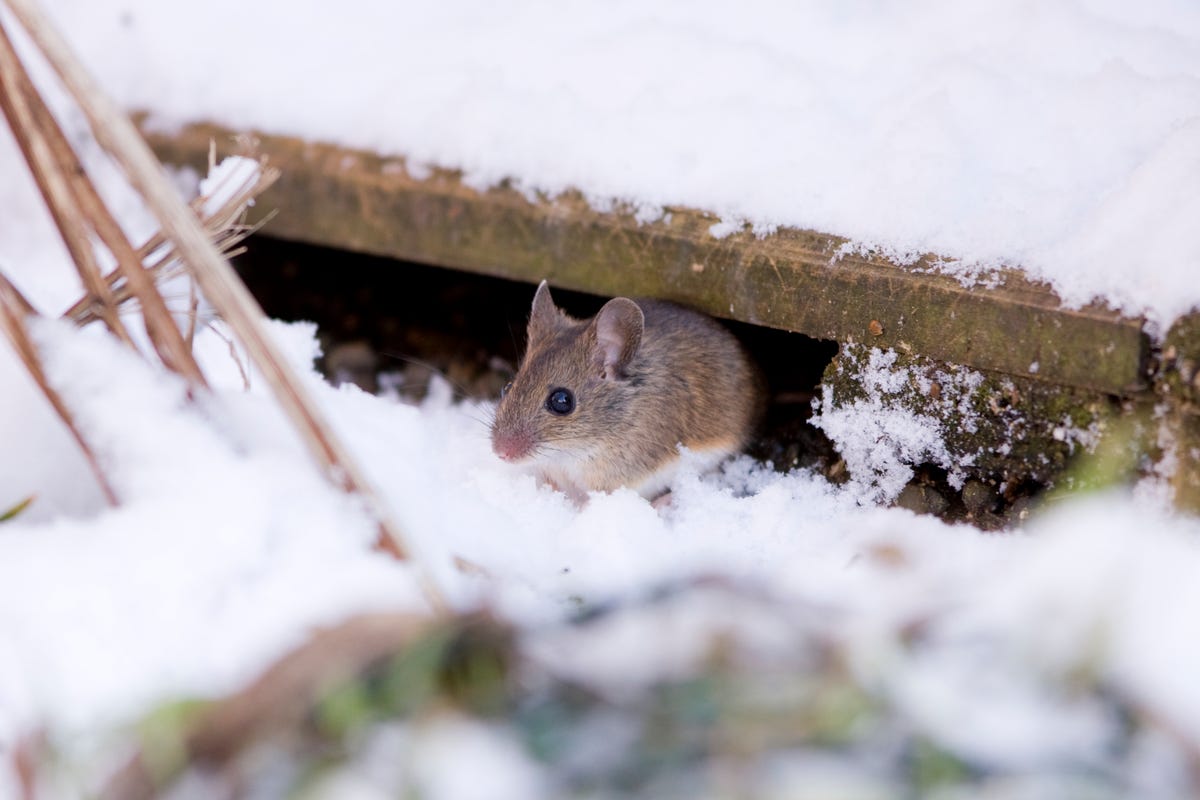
390	326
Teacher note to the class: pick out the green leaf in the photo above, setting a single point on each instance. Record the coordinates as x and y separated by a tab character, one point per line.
17	509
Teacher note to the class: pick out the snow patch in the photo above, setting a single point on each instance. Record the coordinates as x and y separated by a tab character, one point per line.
880	438
225	180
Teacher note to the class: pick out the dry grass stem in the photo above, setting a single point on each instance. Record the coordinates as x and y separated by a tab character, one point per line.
192	315
26	114
224	226
233	355
77	205
215	277
14	311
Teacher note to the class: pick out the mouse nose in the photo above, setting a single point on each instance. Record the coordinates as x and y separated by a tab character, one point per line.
512	446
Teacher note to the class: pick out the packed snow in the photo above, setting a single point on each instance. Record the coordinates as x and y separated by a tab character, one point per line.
1058	136
989	132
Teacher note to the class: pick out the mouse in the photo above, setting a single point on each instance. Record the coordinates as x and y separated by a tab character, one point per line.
602	403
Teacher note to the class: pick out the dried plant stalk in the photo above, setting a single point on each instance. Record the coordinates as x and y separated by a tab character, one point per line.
158	256
20	103
14	311
211	272
74	199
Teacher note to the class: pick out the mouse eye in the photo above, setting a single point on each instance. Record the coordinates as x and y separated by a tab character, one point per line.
506	389
560	401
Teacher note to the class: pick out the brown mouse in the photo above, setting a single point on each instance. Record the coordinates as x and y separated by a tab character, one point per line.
603	403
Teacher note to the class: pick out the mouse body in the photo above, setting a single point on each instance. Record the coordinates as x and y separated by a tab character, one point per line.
606	402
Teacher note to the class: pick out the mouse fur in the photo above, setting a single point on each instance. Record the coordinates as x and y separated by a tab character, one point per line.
643	377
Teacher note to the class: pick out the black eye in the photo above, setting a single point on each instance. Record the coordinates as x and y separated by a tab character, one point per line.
560	401
507	386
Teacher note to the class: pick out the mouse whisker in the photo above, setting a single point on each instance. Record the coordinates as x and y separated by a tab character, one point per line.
486	421
460	391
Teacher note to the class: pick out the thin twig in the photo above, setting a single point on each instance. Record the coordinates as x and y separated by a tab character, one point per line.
233	354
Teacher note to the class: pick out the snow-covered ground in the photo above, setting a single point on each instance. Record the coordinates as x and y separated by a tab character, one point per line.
1064	137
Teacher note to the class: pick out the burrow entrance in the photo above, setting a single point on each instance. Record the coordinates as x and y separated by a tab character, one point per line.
390	326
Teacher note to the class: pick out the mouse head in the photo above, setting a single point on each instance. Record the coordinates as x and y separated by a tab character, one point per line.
573	385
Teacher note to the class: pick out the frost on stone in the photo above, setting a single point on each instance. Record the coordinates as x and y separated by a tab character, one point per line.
880	438
879	445
903	257
645	213
719	230
888	413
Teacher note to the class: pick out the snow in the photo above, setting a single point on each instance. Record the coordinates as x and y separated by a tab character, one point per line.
1062	137
879	439
988	132
243	549
225	180
206	529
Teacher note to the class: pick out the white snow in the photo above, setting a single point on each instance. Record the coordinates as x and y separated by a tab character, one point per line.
881	438
1059	136
227	178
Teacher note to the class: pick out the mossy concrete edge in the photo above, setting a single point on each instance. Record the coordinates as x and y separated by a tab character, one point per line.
795	280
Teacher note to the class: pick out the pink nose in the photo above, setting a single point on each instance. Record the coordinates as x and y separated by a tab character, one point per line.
512	446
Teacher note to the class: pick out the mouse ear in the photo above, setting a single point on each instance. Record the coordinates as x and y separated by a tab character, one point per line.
545	318
618	330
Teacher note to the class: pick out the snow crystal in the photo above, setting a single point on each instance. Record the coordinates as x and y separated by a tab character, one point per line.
880	438
227	179
881	443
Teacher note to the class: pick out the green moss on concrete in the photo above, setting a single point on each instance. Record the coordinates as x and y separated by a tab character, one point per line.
1004	430
796	280
1178	388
